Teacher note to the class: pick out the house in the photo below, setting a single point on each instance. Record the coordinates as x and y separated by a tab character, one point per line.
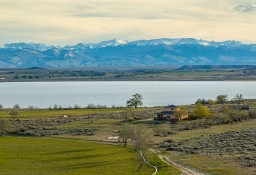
171	113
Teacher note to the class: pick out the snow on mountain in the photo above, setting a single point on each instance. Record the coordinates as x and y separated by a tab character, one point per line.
155	52
33	46
182	41
110	43
155	42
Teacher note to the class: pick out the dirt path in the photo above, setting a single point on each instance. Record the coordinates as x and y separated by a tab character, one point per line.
145	161
184	170
149	163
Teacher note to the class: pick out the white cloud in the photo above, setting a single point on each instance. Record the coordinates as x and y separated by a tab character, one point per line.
67	22
245	8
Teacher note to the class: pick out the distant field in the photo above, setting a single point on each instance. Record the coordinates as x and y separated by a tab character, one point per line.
25	156
132	74
44	113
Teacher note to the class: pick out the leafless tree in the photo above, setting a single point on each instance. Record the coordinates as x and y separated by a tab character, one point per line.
3	126
14	114
141	138
125	133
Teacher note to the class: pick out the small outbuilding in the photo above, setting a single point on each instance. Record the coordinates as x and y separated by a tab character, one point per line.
241	107
171	113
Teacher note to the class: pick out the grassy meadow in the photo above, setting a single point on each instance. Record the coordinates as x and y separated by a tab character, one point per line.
46	113
64	145
33	155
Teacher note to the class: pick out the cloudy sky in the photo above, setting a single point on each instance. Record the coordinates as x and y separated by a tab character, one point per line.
71	21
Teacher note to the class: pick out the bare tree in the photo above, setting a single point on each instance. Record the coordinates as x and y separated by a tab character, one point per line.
141	138
3	126
126	115
31	107
125	133
129	115
14	114
238	98
157	129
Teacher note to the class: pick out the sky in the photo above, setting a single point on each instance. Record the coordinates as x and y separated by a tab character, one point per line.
66	22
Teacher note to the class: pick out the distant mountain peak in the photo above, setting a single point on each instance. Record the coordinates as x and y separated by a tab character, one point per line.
152	52
33	46
110	43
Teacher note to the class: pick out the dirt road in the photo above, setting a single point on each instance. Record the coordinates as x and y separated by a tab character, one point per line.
184	170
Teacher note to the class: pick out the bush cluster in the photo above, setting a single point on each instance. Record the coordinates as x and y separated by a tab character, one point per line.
238	145
231	117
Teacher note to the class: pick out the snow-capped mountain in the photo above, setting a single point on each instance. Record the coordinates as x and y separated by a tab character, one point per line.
110	43
168	42
155	52
32	46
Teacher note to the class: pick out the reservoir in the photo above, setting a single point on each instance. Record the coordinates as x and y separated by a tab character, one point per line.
155	93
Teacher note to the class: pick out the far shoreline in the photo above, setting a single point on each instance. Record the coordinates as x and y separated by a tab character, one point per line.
29	81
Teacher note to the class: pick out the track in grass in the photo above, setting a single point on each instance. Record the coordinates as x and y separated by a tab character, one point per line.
37	155
21	155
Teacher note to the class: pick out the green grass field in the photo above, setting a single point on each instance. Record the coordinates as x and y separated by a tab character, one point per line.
71	154
29	155
46	113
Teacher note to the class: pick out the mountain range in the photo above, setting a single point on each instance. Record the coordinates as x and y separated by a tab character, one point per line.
155	52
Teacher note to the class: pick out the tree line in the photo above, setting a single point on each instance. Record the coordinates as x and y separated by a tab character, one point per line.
221	99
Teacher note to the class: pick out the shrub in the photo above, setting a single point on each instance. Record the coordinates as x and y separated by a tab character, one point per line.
199	112
210	102
252	114
168	141
190	125
202	101
224	109
237	116
221	99
220	118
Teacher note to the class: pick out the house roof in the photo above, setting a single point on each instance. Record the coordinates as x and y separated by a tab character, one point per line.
166	112
241	107
171	106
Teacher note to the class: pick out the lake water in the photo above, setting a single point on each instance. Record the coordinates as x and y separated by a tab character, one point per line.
156	93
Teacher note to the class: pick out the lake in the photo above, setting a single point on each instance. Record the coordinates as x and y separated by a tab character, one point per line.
155	93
